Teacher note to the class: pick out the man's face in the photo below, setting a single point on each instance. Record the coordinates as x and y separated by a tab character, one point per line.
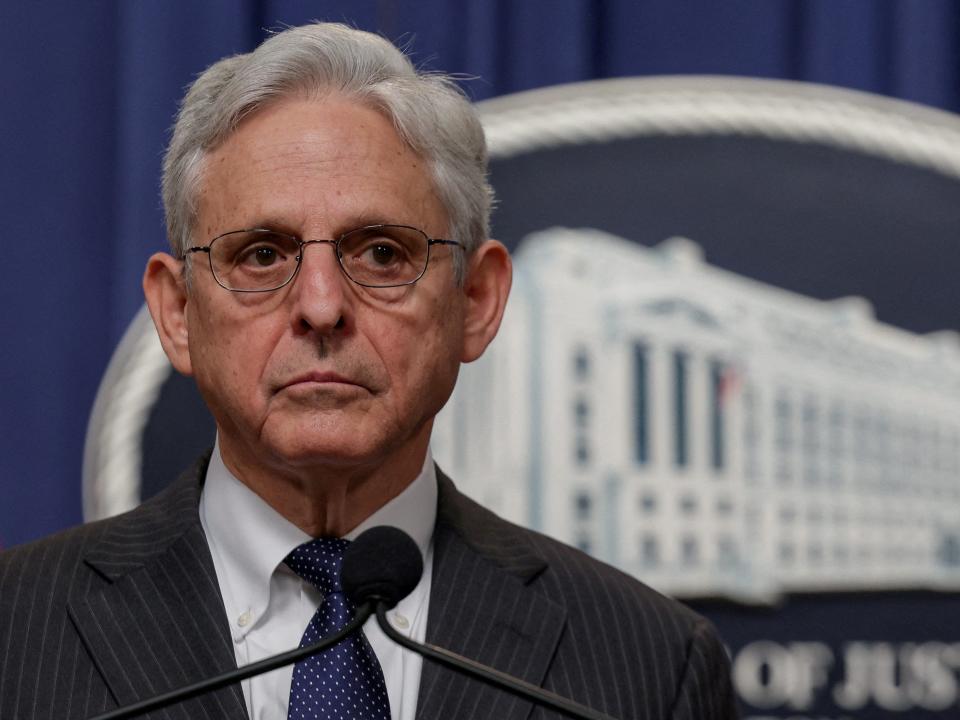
323	372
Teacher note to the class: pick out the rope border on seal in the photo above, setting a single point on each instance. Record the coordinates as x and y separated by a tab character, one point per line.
605	110
113	450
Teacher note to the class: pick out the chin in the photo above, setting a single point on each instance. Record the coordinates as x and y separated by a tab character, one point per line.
310	448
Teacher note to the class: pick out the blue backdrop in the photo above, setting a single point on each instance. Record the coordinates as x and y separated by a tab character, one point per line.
89	90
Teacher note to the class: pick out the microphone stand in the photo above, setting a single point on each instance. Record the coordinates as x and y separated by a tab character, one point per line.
215	683
489	675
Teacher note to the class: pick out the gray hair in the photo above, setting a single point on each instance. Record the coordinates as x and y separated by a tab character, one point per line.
428	110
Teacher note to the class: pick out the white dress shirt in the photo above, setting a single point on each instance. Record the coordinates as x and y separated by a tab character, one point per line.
269	606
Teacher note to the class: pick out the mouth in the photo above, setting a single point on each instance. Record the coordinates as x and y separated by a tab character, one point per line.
319	378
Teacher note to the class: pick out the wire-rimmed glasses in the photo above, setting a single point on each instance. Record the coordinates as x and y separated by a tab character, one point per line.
374	256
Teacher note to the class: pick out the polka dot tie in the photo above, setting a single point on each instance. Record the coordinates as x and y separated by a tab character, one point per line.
343	682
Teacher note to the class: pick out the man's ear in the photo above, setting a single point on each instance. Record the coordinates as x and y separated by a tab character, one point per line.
486	288
166	294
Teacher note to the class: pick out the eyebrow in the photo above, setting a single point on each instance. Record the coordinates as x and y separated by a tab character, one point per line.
353	222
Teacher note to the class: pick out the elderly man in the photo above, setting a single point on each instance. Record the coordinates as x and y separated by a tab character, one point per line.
328	212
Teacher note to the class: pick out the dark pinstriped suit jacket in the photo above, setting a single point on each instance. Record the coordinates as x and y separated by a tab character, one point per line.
122	609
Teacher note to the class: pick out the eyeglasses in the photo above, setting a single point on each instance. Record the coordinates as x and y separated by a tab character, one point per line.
375	256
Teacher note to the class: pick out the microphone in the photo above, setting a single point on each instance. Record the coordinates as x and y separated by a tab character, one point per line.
381	567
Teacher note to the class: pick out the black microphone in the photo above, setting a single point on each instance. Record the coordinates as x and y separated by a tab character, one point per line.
381	567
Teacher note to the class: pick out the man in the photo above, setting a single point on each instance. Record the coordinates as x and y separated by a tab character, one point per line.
328	213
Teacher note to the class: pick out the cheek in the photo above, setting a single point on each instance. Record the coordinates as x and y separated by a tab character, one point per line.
214	363
426	358
228	354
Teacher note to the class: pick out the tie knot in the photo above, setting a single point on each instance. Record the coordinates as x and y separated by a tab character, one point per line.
318	562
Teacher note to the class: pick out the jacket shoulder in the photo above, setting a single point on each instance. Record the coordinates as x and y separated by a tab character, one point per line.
656	656
54	562
566	573
47	561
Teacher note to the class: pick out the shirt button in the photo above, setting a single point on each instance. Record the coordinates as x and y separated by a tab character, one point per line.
400	621
245	619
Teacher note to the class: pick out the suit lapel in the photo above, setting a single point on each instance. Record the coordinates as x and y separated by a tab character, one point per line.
157	622
484	605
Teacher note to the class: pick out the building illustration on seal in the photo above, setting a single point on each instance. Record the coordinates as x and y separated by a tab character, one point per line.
711	434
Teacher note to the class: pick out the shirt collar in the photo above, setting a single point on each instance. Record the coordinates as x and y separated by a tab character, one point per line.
249	539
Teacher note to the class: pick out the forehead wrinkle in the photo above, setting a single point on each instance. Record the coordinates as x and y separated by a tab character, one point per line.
297	155
299	158
360	141
360	152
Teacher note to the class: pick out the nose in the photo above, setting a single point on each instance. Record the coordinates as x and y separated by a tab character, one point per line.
320	299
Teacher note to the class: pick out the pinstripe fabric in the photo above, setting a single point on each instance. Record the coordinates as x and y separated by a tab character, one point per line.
119	610
115	611
547	613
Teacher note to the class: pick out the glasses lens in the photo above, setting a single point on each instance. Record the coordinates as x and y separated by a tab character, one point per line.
384	255
254	259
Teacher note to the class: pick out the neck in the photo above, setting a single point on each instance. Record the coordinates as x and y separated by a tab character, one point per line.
330	500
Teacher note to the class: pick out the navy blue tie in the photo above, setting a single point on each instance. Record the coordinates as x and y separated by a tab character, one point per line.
344	682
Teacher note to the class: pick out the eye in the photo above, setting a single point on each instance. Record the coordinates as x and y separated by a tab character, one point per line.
261	251
251	259
264	256
382	253
376	249
254	260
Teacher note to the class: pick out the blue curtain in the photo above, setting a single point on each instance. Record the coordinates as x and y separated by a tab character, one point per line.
89	90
